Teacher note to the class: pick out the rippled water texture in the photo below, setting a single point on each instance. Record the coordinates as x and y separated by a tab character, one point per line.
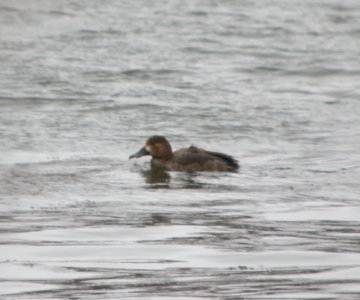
273	83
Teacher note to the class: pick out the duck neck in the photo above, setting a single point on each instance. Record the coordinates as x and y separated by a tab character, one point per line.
164	152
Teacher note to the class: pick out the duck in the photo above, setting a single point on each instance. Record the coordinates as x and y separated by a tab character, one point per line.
191	159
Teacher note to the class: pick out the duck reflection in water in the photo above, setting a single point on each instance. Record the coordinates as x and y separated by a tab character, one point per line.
156	176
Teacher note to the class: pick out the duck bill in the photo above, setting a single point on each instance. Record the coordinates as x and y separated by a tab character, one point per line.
140	153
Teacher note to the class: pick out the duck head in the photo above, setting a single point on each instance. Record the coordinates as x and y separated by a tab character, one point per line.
156	146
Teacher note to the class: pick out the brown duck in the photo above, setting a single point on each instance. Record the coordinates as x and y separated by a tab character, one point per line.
190	159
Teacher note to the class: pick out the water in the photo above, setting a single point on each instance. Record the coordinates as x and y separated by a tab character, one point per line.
274	83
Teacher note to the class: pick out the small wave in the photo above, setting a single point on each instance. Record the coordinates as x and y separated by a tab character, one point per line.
148	73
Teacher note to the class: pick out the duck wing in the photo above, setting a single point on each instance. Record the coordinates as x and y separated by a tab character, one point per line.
194	155
227	158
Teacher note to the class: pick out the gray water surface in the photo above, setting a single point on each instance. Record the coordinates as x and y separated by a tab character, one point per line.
273	83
